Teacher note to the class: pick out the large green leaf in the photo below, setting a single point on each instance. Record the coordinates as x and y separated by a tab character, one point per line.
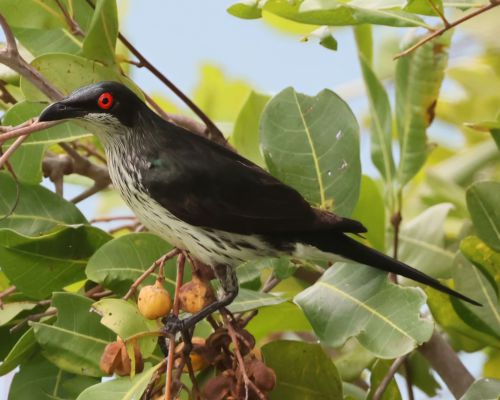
422	242
352	359
483	199
40	265
38	210
39	379
245	137
483	389
26	161
249	300
32	14
281	317
482	256
10	310
370	211
356	300
42	41
100	40
25	110
68	72
246	10
76	341
303	371
480	286
418	80
117	264
124	319
335	12
381	122
312	144
121	388
20	352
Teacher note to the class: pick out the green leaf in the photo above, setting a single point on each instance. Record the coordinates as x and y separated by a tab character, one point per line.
279	318
40	265
42	41
364	41
38	210
312	144
124	319
421	375
424	7
245	137
370	211
26	161
20	352
483	199
76	341
32	14
482	256
303	371
378	373
422	242
381	123
25	110
68	72
10	310
220	98
355	300
121	388
39	379
334	12
483	389
246	10
352	360
100	40
249	300
118	263
418	80
448	319
474	283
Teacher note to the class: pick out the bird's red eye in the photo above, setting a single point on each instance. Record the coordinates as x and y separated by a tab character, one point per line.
105	101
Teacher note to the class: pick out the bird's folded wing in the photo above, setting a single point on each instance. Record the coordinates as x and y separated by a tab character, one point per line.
207	185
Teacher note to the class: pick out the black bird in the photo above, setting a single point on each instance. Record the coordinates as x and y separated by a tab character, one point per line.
202	197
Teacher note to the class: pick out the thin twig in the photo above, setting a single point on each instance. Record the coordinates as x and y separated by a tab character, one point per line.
6	96
149	271
439	32
73	25
181	261
6	293
439	13
388	377
32	318
269	285
26	128
112	219
12	148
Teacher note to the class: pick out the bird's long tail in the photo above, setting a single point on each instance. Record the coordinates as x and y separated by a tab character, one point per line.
356	251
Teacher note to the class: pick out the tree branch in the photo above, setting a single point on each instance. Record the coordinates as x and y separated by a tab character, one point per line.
388	377
446	363
439	32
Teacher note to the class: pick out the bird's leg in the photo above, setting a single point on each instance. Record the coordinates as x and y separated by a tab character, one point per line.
229	282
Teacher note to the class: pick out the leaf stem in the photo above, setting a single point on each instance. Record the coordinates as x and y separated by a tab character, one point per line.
388	377
439	32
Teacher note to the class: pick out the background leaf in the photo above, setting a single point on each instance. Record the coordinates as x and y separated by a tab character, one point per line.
302	382
38	210
312	144
483	199
76	341
356	300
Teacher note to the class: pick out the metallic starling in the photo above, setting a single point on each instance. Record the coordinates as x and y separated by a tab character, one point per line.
206	199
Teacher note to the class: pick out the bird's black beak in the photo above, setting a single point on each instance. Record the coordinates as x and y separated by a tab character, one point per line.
61	110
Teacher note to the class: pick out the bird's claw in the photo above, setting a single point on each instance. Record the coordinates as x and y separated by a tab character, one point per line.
172	325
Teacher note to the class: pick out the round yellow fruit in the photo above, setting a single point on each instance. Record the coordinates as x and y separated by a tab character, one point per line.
154	301
196	295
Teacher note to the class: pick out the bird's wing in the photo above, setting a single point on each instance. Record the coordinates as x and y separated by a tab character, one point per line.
207	185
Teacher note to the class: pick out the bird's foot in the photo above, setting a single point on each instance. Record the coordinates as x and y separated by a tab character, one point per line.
172	325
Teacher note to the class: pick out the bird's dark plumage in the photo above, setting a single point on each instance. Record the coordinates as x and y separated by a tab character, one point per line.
201	196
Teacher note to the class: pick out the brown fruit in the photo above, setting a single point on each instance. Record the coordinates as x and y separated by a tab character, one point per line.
198	355
154	301
115	359
218	388
263	376
196	295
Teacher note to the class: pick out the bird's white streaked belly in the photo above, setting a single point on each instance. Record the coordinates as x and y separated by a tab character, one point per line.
207	245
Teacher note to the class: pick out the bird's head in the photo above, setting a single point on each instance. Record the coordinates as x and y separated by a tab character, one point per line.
103	105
